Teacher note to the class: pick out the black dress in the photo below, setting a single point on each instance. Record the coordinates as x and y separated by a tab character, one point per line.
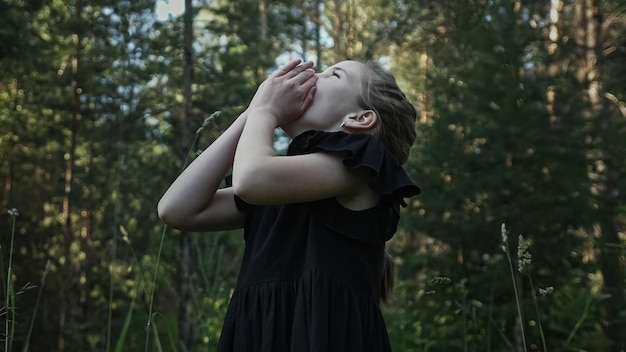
311	272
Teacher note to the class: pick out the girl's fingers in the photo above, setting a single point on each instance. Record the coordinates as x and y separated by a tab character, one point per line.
306	80
304	76
308	87
299	69
287	68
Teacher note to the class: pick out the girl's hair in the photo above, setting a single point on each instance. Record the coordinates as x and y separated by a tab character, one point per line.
395	128
396	115
388	280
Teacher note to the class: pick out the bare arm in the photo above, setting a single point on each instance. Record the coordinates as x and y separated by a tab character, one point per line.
261	177
194	201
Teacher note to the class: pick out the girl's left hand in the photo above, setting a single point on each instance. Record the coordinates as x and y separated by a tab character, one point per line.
287	93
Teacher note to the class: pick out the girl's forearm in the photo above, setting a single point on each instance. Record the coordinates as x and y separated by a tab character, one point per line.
195	187
254	151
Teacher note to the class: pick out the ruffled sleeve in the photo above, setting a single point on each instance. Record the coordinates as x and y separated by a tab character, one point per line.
388	178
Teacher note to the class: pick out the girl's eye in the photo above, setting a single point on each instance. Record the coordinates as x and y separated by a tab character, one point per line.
335	73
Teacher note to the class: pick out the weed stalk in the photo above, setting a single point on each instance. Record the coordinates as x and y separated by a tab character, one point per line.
32	319
9	322
156	266
505	248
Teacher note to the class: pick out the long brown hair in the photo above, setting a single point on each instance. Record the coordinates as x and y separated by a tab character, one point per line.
396	129
395	126
388	281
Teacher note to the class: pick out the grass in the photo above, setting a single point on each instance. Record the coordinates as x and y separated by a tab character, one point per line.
9	308
32	319
9	298
524	260
156	266
506	249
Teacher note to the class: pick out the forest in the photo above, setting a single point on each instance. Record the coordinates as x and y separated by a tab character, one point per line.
516	243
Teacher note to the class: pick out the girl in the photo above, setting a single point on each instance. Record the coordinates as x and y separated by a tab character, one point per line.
315	221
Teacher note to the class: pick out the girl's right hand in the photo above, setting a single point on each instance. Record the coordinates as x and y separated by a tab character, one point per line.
287	93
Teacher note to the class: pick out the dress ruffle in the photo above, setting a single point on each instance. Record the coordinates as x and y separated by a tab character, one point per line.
360	150
388	180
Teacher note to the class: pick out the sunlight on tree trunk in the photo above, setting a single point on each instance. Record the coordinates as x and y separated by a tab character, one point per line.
554	66
587	33
555	9
262	20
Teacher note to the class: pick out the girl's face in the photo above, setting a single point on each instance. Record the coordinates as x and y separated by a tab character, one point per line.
335	99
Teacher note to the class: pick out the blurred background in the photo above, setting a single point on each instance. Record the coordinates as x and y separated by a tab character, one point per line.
522	123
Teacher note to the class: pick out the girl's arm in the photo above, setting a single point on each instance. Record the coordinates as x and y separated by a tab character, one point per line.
261	177
194	201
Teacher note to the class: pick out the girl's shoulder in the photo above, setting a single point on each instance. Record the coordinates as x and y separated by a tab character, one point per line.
385	176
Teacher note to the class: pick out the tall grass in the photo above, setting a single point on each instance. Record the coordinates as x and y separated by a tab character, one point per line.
9	308
507	251
524	259
32	319
153	290
149	326
9	298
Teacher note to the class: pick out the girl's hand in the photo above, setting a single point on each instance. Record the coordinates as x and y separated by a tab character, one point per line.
287	93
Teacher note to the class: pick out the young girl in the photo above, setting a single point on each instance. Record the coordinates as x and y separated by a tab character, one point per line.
316	220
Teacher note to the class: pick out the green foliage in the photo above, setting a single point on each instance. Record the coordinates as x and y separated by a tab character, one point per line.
492	149
90	100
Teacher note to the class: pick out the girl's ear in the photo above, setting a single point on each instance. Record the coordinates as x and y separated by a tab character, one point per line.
362	121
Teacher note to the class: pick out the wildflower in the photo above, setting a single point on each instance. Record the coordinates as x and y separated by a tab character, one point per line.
523	256
440	280
546	291
505	239
13	212
207	120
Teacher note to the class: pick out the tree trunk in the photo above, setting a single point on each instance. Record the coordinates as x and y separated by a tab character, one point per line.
339	34
262	20
7	154
185	325
588	26
68	298
587	15
262	7
318	34
553	34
